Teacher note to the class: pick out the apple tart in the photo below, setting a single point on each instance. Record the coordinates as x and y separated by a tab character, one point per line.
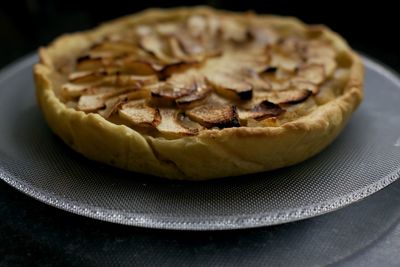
197	93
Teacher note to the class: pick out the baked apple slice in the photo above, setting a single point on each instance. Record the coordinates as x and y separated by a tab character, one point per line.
220	116
230	87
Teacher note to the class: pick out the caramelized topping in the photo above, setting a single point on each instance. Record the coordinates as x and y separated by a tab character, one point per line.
176	78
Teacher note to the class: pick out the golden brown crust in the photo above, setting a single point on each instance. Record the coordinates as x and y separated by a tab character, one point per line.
211	153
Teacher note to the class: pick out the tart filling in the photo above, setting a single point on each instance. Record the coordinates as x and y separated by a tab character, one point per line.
180	77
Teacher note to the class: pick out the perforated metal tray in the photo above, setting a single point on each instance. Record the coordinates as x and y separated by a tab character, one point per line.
364	159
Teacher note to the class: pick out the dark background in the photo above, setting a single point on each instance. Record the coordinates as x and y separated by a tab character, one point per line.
370	26
32	233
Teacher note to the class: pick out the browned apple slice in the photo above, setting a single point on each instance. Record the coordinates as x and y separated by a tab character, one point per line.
162	94
139	114
313	73
230	87
170	125
263	110
179	86
221	116
165	94
112	104
201	91
97	97
290	96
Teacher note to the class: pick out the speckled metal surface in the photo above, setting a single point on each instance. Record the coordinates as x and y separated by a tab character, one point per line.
364	159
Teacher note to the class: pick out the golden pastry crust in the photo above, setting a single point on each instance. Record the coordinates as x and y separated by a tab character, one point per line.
211	153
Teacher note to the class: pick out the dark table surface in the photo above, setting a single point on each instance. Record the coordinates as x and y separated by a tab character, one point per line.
32	233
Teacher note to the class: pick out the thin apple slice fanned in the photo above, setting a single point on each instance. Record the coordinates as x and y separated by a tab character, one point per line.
178	67
88	76
90	63
255	80
230	87
290	96
165	94
156	46
71	90
114	103
177	50
220	116
263	110
97	97
196	84
194	99
170	124
178	87
139	114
